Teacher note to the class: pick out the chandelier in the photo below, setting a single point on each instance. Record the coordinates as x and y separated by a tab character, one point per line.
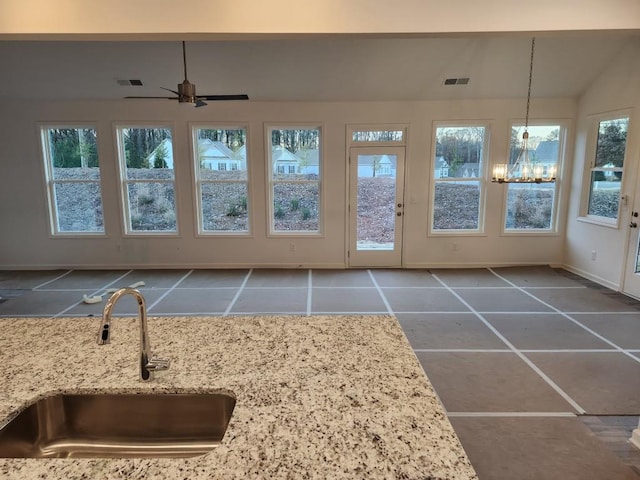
524	170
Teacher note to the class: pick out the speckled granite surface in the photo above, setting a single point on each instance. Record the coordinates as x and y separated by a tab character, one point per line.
317	397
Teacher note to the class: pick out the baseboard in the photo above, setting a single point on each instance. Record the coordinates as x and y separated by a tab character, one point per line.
145	266
594	278
474	265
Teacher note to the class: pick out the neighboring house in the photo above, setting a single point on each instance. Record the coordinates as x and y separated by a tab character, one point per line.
309	161
284	161
217	156
376	166
212	155
441	169
167	145
546	154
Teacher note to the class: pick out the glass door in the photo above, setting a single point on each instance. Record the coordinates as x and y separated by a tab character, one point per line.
376	206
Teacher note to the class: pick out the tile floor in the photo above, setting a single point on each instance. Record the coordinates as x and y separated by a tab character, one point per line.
539	370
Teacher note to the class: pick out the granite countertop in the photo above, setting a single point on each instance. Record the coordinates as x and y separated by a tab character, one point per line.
317	397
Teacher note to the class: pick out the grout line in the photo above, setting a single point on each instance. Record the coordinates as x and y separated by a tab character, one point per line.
512	414
434	312
237	295
163	296
188	314
92	294
568	350
310	292
569	317
522	356
373	312
462	350
50	281
381	293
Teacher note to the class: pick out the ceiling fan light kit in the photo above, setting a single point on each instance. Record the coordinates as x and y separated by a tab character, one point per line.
186	92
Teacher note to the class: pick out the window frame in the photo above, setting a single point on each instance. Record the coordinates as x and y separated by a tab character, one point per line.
564	125
481	179
589	167
198	181
268	128
123	182
49	180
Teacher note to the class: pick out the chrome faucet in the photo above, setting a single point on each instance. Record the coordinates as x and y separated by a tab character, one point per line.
148	363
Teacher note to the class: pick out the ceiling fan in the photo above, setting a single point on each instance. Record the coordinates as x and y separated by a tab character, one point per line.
186	92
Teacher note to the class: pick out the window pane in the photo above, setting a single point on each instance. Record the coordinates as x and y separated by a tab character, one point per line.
459	152
456	206
378	136
295	206
530	206
72	149
148	153
295	179
224	207
152	207
612	140
79	207
604	196
73	180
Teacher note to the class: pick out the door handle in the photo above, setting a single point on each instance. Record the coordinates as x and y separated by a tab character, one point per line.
399	214
633	225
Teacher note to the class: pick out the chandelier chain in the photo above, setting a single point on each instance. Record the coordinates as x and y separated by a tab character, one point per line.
526	118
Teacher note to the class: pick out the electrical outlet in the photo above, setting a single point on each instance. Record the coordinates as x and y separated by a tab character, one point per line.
292	247
594	255
454	247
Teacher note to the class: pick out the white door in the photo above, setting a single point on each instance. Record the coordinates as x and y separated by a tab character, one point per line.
631	284
376	206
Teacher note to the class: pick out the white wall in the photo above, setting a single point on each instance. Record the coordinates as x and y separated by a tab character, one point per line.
25	241
617	88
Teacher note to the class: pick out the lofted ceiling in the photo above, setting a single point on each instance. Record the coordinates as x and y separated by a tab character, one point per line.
311	68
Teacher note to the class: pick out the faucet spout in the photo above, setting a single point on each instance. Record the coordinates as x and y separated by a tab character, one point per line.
148	363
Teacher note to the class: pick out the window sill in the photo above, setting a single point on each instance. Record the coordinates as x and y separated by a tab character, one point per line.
456	233
600	221
529	233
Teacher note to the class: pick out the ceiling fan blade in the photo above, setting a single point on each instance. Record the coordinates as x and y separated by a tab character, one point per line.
200	103
161	98
169	90
215	98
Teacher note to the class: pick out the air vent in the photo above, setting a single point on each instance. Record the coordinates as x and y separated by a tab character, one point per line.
133	83
456	81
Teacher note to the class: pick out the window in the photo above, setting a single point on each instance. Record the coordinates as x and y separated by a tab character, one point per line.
294	197
148	180
532	206
222	194
458	178
73	179
607	166
367	136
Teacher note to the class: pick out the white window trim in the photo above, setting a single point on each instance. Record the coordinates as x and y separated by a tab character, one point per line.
481	179
268	127
49	181
197	182
554	231
589	161
123	181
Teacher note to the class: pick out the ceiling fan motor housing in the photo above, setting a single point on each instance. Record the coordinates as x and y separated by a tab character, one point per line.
186	92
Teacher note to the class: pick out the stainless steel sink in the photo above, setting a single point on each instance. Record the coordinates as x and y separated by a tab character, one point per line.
114	425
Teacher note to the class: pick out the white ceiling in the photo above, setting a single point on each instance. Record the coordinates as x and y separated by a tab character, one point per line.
318	69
